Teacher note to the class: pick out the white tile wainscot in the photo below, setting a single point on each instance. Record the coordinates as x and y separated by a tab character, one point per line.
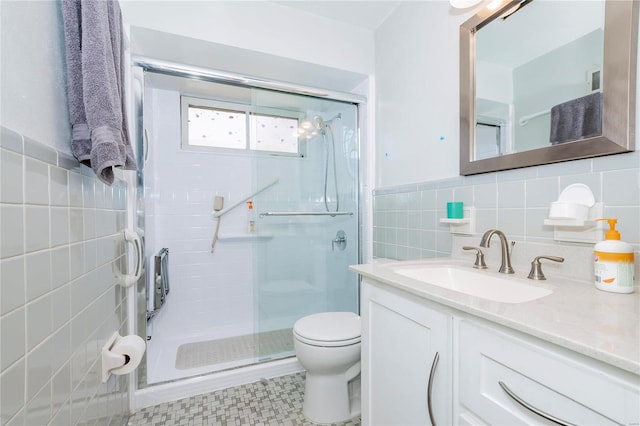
573	355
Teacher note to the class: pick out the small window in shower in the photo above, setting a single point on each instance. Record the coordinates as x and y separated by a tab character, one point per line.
273	133
217	128
209	124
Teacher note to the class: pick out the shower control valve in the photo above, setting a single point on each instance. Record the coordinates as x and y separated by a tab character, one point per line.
340	240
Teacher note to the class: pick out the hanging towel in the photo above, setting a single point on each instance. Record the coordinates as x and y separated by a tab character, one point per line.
95	84
576	119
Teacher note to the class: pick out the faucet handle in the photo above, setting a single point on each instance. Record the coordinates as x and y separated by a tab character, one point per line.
479	263
536	267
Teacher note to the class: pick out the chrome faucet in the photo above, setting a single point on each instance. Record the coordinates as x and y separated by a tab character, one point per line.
505	266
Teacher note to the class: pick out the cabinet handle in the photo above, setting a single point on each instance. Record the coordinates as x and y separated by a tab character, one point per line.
434	364
531	408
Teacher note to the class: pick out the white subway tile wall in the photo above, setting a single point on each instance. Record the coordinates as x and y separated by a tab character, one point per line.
406	218
61	255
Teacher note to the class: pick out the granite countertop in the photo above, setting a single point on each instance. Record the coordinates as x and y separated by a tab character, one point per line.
604	326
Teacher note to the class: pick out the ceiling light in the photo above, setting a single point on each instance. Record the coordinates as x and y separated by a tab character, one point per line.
463	4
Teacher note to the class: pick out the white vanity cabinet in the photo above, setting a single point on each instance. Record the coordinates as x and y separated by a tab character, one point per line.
570	388
406	345
403	332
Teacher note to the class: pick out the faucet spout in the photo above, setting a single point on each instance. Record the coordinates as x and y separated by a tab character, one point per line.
505	266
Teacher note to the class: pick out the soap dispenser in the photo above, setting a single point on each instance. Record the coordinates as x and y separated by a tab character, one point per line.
613	262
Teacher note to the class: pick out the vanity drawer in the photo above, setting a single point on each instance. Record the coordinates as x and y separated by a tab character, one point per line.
575	391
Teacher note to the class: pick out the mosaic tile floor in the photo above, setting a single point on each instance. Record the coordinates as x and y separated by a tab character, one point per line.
276	402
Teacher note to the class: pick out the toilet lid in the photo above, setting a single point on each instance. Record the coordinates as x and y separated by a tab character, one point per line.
329	327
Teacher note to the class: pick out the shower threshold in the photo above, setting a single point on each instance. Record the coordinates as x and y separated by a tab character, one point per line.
259	347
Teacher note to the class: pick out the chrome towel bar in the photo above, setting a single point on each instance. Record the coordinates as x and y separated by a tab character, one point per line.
263	214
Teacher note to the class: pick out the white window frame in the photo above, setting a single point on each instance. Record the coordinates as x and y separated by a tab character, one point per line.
248	110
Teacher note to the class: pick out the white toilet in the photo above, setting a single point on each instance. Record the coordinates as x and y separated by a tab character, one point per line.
328	347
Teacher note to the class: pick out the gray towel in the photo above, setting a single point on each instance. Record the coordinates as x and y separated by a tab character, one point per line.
576	119
93	38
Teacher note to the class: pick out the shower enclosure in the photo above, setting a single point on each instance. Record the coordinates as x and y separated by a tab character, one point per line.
241	277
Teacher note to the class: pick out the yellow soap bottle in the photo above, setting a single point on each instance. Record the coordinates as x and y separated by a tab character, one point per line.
613	265
252	218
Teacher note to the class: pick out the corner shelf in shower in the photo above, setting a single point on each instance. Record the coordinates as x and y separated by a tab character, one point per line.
234	238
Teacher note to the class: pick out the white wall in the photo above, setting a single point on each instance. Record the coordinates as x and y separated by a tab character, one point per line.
417	90
494	82
261	26
416	53
33	78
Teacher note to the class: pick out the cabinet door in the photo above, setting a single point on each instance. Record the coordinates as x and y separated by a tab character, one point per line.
400	340
557	383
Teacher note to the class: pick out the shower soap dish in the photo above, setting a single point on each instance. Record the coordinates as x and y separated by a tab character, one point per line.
573	207
574	215
561	210
574	203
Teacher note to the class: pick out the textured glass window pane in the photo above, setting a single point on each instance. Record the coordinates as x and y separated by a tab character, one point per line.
217	128
271	133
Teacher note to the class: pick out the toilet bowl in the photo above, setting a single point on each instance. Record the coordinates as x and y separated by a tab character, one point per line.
328	347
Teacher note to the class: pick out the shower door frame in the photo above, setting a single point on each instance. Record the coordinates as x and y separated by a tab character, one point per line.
141	65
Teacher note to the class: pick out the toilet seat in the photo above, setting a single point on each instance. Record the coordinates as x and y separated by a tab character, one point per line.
328	329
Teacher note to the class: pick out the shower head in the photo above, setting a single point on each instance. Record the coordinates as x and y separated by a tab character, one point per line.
338	116
311	127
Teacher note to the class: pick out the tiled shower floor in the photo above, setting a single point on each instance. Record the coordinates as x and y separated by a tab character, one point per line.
171	358
276	402
270	344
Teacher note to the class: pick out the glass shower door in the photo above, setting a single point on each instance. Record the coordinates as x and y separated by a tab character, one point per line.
236	291
308	225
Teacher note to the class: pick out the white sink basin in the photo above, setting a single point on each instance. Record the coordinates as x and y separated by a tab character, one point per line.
479	283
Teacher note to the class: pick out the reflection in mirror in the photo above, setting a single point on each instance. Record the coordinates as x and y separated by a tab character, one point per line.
547	55
546	81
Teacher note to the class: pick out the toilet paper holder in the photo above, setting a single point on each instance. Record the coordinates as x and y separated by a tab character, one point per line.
121	355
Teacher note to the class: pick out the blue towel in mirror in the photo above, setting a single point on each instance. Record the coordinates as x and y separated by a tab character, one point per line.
576	119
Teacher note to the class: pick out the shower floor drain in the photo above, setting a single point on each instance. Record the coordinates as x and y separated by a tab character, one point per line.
250	346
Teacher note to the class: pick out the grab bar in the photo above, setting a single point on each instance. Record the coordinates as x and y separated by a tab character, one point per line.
242	200
134	238
263	214
525	118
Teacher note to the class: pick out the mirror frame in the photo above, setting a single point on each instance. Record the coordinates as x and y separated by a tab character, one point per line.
619	94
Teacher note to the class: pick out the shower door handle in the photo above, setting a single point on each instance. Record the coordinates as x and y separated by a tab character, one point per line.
340	240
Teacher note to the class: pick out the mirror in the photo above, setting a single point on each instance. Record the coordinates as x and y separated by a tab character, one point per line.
546	81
